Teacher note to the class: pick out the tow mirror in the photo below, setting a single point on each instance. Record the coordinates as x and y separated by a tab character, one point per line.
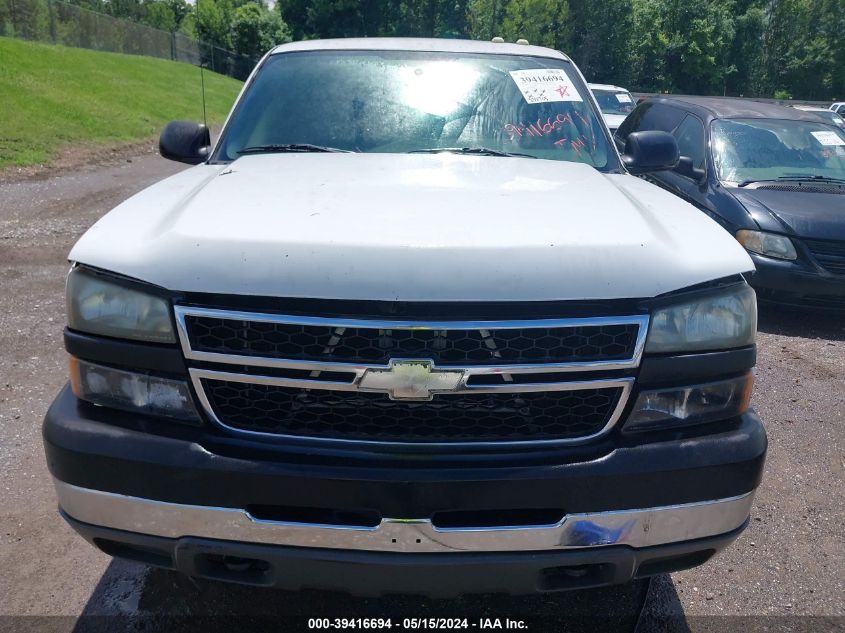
185	141
650	150
686	168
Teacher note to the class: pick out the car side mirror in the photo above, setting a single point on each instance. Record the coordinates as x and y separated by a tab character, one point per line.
650	150
686	168
185	141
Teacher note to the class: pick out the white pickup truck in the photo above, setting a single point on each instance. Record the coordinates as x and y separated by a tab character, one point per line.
410	325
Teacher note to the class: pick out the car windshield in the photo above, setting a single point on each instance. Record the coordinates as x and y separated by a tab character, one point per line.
614	101
410	101
834	118
748	150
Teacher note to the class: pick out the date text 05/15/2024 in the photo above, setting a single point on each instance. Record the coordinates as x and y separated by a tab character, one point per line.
416	624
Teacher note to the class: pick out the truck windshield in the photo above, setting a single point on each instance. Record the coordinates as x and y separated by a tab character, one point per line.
410	101
830	117
750	150
614	101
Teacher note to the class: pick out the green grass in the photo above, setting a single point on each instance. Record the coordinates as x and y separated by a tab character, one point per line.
53	97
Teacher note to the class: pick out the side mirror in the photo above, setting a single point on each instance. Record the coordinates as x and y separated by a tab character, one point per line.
650	150
686	168
185	141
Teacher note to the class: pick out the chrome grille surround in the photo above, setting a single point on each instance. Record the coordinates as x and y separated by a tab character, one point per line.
342	342
358	371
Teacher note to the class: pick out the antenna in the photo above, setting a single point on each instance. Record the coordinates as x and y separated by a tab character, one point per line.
202	80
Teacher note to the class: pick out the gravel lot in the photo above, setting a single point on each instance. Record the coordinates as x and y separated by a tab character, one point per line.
788	563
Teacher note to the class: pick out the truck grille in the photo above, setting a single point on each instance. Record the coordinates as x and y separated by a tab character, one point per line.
410	382
830	254
451	418
443	346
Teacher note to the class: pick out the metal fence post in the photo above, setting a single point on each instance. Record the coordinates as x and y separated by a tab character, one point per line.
13	14
51	11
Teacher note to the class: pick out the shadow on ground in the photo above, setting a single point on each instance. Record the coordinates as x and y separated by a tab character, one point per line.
132	597
773	319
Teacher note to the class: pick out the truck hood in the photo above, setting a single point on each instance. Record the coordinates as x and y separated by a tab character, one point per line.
812	215
410	228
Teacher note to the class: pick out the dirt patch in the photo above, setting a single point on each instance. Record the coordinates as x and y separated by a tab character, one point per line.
72	158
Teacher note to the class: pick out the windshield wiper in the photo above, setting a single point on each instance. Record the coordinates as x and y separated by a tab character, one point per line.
794	178
806	178
280	148
479	151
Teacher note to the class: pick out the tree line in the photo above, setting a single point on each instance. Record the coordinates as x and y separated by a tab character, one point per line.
780	48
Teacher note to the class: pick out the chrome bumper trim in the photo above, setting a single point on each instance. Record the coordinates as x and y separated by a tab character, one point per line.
634	528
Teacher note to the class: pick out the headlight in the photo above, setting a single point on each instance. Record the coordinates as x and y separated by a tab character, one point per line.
131	391
718	321
768	244
687	406
99	305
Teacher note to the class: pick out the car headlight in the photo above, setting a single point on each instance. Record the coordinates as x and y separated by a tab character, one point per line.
715	321
768	244
132	391
687	406
99	305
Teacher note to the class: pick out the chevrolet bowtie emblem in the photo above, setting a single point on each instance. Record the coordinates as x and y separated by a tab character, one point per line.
411	380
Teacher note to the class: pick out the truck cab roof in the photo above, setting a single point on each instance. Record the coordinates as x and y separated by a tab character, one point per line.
418	44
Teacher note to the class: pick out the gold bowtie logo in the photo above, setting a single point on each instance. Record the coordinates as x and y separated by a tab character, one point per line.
411	380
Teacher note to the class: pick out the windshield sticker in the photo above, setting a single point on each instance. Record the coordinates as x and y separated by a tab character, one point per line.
621	97
539	128
551	128
545	85
828	139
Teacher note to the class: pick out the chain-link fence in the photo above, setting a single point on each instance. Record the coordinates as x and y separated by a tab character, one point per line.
59	22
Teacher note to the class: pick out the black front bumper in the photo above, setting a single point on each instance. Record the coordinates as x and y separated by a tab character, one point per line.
796	284
366	574
86	449
104	450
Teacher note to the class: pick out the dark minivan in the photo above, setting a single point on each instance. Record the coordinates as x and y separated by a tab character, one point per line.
773	176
